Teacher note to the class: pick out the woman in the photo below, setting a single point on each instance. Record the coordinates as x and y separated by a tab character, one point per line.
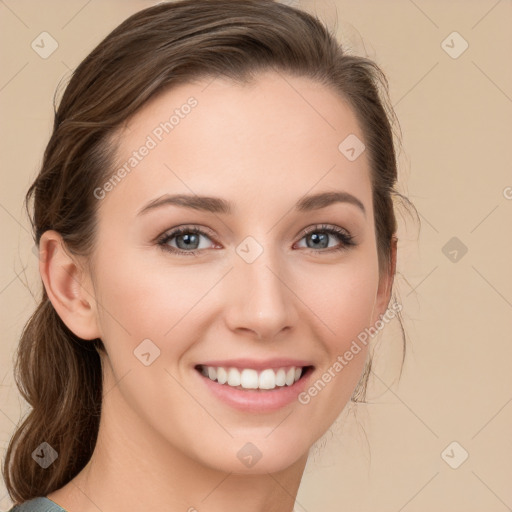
217	237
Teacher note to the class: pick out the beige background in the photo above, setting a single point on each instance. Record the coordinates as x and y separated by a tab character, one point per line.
455	115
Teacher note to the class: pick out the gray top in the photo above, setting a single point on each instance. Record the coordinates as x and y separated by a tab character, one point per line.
41	504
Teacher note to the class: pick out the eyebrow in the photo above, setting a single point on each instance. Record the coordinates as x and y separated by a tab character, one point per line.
218	205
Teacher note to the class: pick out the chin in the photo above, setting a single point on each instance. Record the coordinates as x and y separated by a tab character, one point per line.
254	455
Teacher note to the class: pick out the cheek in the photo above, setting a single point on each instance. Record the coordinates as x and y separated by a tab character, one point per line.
342	298
139	299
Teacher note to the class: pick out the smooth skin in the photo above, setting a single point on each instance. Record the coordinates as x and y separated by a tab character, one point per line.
165	442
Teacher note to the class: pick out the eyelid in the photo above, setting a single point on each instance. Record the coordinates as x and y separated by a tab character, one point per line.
185	227
323	227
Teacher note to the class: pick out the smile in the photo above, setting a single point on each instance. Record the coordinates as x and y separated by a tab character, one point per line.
250	378
255	385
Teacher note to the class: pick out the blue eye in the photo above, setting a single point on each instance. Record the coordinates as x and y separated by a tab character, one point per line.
325	231
188	239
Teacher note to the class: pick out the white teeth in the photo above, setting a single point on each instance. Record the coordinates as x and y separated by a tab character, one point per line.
290	376
222	375
233	377
280	377
267	379
250	379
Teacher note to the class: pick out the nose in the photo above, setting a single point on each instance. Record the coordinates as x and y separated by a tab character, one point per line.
260	298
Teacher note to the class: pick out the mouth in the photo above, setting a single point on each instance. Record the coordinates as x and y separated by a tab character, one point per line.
252	386
252	379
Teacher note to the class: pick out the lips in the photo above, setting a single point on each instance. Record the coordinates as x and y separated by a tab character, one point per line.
255	386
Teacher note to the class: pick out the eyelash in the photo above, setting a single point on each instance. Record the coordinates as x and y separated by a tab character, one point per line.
347	240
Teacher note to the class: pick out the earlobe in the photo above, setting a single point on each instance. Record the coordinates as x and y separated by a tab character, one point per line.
65	286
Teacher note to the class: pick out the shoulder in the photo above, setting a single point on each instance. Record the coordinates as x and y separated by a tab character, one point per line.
40	504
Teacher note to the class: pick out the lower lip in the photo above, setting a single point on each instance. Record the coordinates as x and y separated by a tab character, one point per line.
254	400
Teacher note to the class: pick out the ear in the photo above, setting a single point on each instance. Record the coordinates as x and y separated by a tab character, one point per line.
386	283
66	286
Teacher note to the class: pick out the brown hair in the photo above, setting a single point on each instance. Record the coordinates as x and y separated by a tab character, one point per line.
59	374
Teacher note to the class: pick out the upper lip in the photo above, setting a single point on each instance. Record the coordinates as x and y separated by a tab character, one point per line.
261	364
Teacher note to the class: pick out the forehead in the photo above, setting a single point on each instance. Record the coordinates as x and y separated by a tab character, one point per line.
276	136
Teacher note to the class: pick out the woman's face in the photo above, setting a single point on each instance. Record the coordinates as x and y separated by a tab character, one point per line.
279	284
